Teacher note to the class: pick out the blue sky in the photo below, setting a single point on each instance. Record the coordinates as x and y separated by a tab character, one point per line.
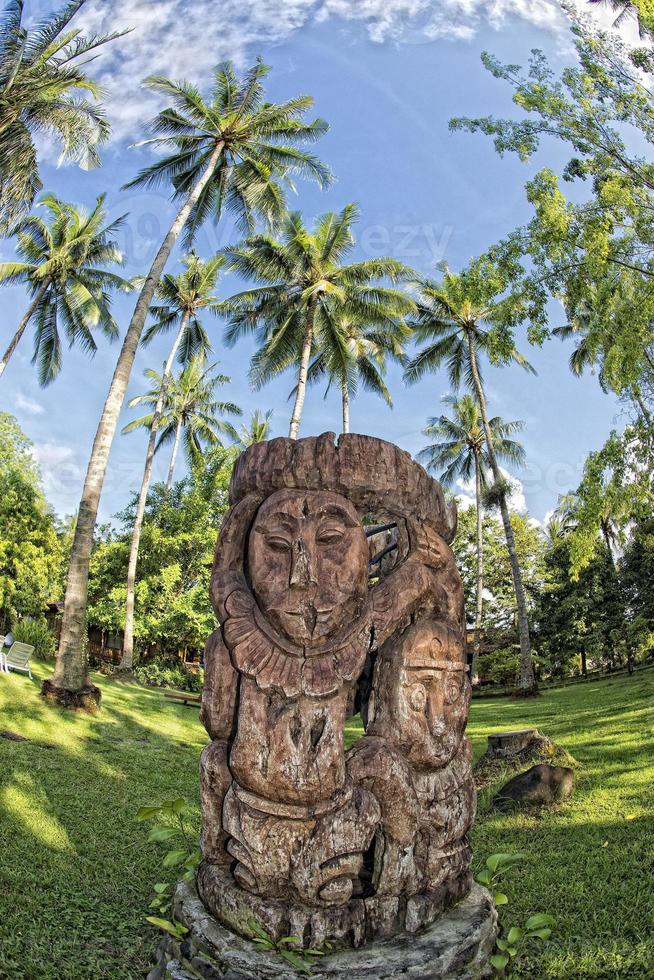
387	75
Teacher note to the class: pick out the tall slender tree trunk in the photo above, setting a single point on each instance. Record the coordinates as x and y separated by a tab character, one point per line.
644	410
301	391
173	456
127	661
71	672
15	340
480	573
606	534
346	409
527	681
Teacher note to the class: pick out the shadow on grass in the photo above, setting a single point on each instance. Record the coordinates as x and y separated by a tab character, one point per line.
76	872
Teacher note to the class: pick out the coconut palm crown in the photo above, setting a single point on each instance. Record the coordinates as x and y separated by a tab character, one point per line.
190	408
460	441
259	145
355	354
182	300
41	74
306	293
65	255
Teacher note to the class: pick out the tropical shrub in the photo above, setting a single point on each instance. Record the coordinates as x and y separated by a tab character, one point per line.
165	674
37	633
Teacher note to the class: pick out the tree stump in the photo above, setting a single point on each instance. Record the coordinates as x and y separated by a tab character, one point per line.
506	745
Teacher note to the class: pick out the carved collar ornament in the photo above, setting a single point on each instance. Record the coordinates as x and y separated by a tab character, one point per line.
260	652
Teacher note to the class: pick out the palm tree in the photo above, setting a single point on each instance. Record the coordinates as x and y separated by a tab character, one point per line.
41	72
305	290
626	8
182	297
190	409
354	352
459	453
257	430
456	317
64	273
231	151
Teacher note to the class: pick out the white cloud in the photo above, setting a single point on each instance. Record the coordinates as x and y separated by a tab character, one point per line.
28	405
61	472
185	39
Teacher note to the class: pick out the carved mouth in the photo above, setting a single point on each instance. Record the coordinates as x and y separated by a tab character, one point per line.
308	617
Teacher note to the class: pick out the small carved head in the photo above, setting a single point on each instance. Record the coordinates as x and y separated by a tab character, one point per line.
308	563
424	694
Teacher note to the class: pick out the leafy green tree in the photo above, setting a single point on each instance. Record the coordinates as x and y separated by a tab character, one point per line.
190	409
460	453
465	314
257	430
30	554
306	297
42	72
591	249
66	279
616	489
172	607
579	619
637	575
231	151
183	299
15	447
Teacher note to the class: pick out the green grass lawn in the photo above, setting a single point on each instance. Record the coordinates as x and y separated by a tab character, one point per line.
76	871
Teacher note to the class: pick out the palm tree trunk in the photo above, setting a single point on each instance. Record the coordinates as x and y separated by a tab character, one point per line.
346	409
70	674
127	661
480	573
173	457
15	340
303	371
527	681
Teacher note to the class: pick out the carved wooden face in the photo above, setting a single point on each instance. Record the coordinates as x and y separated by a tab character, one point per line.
433	695
424	695
308	562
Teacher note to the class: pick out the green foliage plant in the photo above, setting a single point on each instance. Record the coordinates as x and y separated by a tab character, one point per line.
288	947
513	941
170	820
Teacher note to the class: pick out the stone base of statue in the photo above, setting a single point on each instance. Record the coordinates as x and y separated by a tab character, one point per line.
457	946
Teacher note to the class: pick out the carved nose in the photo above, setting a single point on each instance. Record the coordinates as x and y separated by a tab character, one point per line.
301	566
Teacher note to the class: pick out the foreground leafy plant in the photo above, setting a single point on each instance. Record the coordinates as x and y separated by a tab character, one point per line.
298	958
496	866
536	927
170	825
512	942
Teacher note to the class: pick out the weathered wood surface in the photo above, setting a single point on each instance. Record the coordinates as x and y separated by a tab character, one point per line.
298	834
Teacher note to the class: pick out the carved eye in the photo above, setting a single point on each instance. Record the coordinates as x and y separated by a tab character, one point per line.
452	691
418	697
277	543
329	535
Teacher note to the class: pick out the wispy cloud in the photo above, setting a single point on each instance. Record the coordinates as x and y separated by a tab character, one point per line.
28	405
61	473
186	38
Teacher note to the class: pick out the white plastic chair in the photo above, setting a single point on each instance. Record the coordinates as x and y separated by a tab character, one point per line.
17	657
